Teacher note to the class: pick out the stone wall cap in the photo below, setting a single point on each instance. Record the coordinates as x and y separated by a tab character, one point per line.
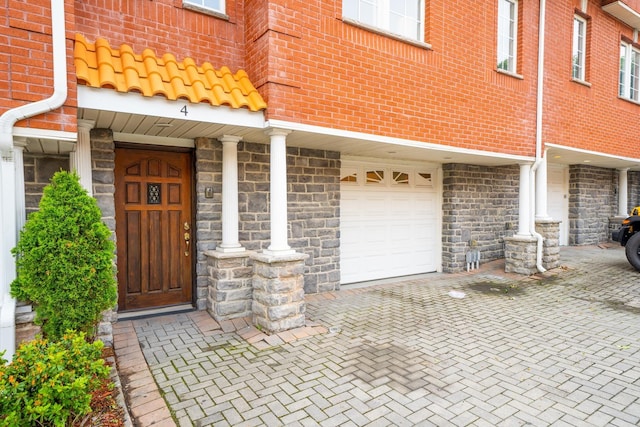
518	238
270	258
228	255
548	221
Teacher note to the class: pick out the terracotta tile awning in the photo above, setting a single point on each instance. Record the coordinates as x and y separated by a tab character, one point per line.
100	66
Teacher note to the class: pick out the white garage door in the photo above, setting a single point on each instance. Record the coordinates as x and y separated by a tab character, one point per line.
389	222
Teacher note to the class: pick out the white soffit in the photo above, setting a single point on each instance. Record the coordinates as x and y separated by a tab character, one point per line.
560	154
180	109
624	13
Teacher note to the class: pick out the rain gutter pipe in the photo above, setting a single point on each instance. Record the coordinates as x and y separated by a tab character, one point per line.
59	96
539	159
7	121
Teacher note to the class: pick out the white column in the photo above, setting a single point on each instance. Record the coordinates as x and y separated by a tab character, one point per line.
541	190
19	144
81	159
622	192
278	187
524	211
8	234
230	241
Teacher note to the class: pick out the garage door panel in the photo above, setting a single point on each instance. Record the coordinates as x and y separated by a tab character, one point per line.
387	233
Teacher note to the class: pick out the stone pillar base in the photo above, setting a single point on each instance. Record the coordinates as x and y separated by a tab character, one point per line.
278	292
550	231
229	292
520	255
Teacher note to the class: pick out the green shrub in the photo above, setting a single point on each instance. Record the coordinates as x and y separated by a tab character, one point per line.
64	259
50	383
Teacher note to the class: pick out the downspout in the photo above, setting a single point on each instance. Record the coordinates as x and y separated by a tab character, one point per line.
539	159
59	96
7	121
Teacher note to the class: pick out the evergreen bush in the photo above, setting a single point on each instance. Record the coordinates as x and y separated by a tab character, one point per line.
64	259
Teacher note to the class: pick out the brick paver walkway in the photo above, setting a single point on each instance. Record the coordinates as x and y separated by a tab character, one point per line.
562	349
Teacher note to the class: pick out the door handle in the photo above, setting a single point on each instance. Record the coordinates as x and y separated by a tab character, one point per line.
187	239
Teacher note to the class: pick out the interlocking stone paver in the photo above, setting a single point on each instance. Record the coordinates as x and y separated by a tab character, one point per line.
560	349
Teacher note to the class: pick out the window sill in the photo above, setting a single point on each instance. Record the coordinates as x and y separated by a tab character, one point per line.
632	101
384	33
510	74
205	11
581	82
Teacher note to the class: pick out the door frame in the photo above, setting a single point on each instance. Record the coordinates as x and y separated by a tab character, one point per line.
193	204
562	170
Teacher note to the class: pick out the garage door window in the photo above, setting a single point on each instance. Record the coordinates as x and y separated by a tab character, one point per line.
400	178
375	177
423	179
349	176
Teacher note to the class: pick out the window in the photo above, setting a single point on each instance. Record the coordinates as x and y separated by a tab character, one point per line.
579	48
401	17
507	35
214	5
629	85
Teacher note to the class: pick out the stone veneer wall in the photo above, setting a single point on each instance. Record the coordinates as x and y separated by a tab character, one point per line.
38	171
313	178
480	204
633	185
592	201
103	182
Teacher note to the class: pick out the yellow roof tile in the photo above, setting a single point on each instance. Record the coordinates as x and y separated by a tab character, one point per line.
98	65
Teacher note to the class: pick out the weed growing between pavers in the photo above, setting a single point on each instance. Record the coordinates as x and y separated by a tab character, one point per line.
614	304
493	288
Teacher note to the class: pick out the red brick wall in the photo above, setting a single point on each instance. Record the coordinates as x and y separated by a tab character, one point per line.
26	62
313	68
165	27
325	72
587	117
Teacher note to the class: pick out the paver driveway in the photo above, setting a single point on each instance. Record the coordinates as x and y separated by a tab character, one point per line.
560	350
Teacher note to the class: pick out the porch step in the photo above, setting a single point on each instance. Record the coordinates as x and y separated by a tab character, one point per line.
141	314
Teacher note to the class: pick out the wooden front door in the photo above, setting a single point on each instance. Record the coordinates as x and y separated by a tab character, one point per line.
153	228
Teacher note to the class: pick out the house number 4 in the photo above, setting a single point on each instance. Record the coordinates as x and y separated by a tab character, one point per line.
184	110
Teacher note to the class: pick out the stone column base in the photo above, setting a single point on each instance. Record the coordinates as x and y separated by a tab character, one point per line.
278	292
520	254
550	231
229	292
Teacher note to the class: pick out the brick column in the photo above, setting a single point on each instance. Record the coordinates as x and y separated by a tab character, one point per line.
278	292
230	292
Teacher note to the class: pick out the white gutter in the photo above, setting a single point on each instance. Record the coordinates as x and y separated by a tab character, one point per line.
59	96
7	122
539	159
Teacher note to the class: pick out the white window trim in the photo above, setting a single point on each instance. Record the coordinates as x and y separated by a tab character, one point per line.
624	89
197	5
513	34
384	15
582	48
